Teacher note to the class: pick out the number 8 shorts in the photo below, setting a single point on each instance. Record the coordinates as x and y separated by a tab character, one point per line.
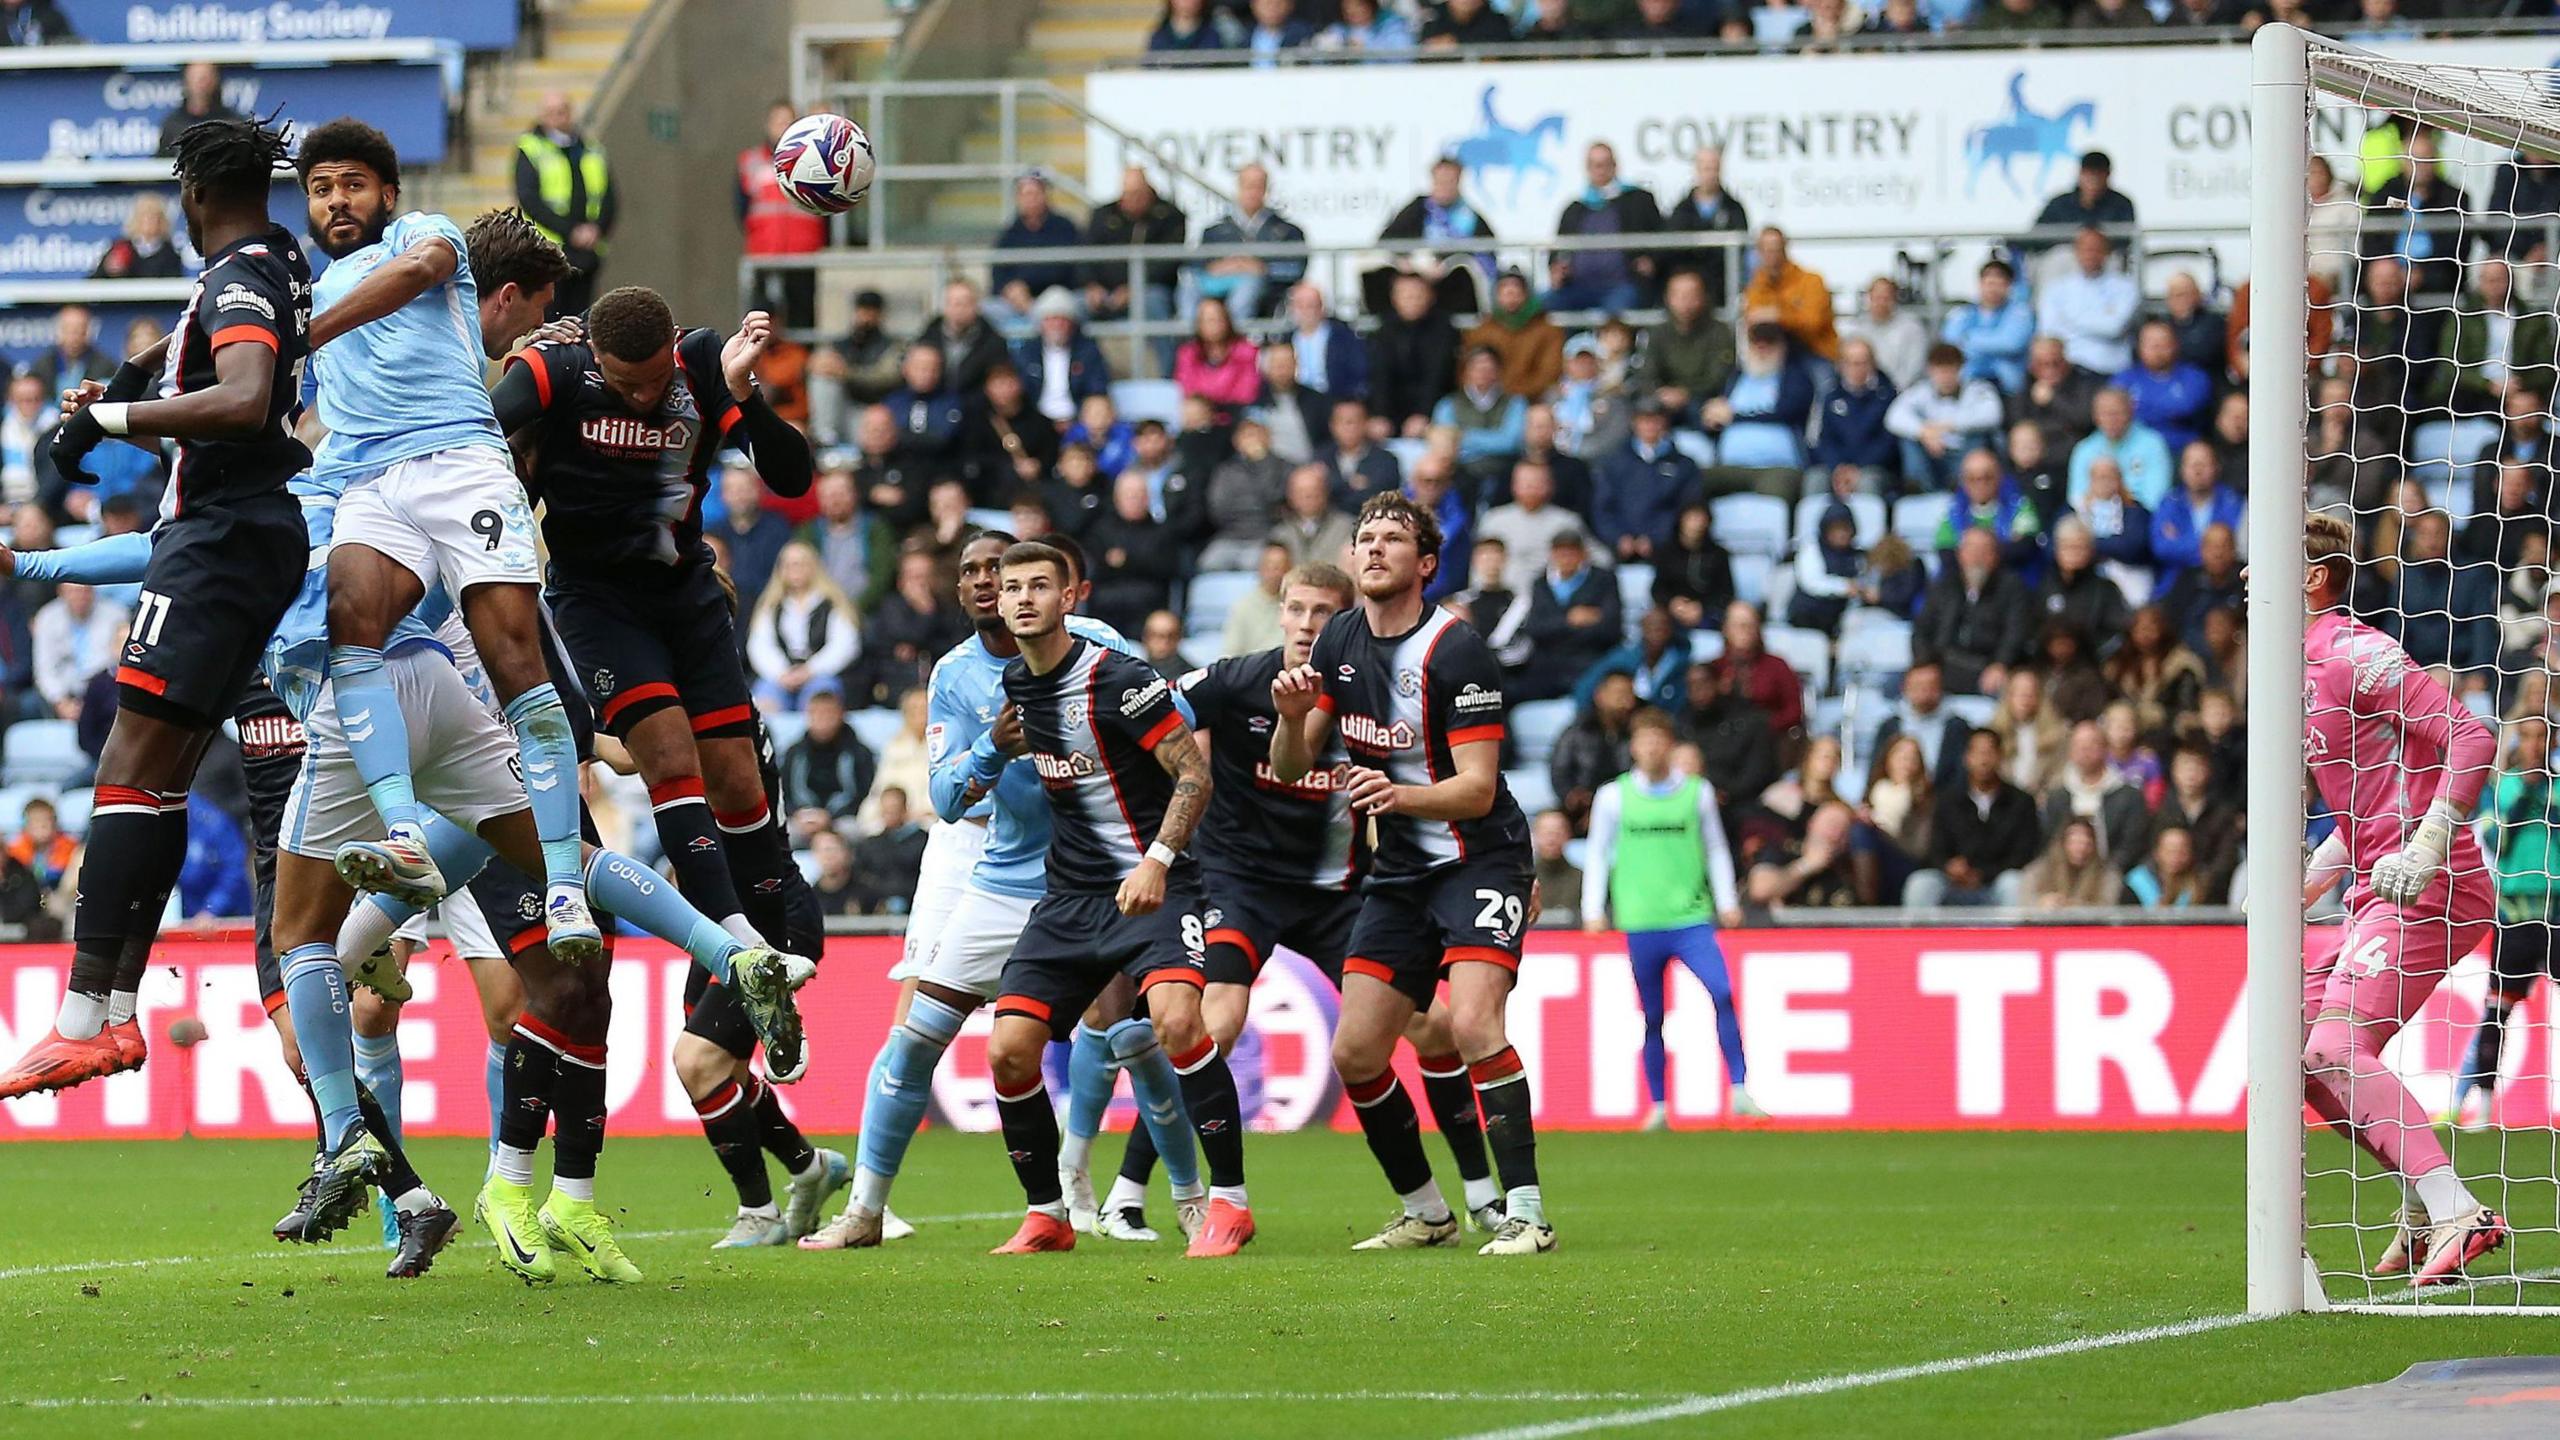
1409	931
458	516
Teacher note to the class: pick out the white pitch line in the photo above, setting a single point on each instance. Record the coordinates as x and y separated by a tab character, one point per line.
352	1400
343	1252
1834	1384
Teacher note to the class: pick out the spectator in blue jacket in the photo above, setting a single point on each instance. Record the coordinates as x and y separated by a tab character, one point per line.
1759	422
1642	486
2169	395
1489	419
1061	367
2119	524
1995	330
1658	658
1331	359
1018	286
2200	502
2141	457
215	879
930	415
1986	498
1849	431
1189	25
1435	486
1276	27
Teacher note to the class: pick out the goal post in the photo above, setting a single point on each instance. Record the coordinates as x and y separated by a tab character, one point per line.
2410	429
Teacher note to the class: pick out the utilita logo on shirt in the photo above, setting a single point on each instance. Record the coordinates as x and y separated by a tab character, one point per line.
1314	785
1064	769
615	435
1362	730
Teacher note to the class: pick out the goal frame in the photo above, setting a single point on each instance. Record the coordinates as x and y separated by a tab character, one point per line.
2288	67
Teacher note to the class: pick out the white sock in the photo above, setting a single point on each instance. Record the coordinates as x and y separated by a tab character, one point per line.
416	1200
365	930
1125	1194
742	932
514	1166
120	1006
1075	1154
2409	1195
2441	1190
767	1211
575	1189
1482	1191
81	1016
1232	1194
1198	1190
1424	1203
870	1191
817	1162
1056	1210
1524	1203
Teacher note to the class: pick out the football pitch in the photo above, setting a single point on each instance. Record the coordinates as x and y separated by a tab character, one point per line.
1728	1283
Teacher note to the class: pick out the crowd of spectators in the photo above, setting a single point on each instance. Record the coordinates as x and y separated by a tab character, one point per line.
1258	32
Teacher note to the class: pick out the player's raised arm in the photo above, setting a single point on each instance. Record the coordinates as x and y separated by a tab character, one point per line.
397	281
780	452
1297	694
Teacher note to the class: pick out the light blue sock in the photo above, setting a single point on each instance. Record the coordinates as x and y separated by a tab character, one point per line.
1092	1076
550	751
494	1075
316	990
377	733
902	1082
460	855
378	1070
629	890
1160	1108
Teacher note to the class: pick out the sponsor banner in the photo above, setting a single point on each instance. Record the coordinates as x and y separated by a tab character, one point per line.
57	232
1880	143
1864	1029
472	24
114	114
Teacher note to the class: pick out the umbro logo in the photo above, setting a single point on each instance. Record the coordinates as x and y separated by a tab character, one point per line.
1347	671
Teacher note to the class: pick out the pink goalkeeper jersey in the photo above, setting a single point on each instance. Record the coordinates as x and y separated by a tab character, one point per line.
2382	738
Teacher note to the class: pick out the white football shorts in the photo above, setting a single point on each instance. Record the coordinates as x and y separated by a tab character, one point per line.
457	516
950	853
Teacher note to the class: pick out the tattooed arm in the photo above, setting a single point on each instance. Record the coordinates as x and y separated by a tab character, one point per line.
1179	753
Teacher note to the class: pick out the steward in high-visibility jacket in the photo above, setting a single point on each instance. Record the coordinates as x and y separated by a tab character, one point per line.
565	189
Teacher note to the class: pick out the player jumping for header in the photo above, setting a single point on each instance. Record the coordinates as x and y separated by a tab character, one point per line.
2402	763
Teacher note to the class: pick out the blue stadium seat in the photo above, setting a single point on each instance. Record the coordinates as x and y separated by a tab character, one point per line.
1809	651
1635	591
1535	726
1867	510
43	752
1916	519
1696	446
1877	650
1751	577
875	728
1751	524
1212	595
1977	710
1138	400
992	519
1824	717
1705	645
1200	650
1531	787
1406	452
13	804
786	731
72	807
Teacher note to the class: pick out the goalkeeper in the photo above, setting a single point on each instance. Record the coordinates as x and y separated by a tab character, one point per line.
2521	816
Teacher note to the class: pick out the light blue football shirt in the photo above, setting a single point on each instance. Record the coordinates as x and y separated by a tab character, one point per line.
411	383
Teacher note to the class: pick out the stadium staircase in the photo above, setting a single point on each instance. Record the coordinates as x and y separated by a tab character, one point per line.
574	53
1068	39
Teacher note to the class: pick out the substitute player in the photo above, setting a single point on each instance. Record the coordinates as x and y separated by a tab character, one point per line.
1416	697
225	561
1658	863
431	498
2522	813
971	737
1282	864
1127	787
625	426
2401	763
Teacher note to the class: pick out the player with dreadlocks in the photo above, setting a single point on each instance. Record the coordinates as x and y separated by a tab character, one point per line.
226	561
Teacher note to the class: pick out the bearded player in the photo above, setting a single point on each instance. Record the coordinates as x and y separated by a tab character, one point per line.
1416	697
2402	763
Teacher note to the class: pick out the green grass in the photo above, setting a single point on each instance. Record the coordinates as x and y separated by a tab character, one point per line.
1695	1264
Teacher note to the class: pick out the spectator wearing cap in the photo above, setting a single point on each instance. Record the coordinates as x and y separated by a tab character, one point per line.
2092	199
1900	339
1331	360
1489	417
1589	412
2091	306
1413	360
1575	617
1246	282
1941	419
1517	329
1854	451
1993	331
1759	422
1706	206
1017	285
1061	366
1603	279
1691	354
1800	298
856	372
1642	486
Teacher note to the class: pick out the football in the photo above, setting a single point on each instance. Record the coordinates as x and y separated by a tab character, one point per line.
824	164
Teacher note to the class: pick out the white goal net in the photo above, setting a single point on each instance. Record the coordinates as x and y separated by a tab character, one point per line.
2405	258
